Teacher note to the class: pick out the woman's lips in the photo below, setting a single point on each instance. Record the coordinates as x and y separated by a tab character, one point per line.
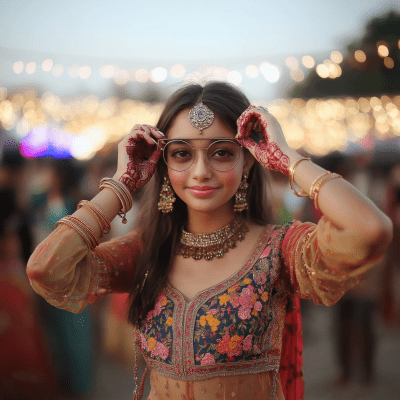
202	191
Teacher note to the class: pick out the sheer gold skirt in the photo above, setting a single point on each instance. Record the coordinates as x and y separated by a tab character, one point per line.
238	387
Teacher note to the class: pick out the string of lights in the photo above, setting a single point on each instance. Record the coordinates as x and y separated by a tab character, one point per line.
271	71
81	126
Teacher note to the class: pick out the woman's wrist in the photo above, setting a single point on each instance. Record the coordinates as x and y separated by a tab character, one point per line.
294	156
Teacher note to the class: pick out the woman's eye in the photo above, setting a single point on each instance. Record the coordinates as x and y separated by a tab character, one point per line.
222	153
181	154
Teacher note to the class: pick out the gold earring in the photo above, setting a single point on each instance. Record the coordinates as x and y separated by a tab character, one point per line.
240	196
167	197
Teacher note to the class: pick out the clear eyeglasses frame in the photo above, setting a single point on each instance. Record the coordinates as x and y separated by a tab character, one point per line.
218	162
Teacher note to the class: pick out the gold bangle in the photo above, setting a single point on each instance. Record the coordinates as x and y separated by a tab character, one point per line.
316	180
121	192
326	178
87	233
75	228
291	178
98	213
87	229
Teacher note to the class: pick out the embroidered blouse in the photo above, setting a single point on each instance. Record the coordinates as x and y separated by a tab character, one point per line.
227	341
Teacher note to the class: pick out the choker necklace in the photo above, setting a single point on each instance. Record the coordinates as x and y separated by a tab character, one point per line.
214	244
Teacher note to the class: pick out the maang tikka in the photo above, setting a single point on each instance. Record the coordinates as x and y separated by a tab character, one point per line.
167	197
201	117
240	196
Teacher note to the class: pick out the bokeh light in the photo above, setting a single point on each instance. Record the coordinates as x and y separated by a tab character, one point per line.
84	72
308	61
360	56
270	72
383	50
252	71
47	65
336	57
107	71
121	77
234	77
18	67
322	71
30	68
389	63
158	74
74	71
292	62
177	71
142	75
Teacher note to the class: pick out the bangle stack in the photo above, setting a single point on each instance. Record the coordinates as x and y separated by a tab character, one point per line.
291	178
98	213
87	233
121	192
319	181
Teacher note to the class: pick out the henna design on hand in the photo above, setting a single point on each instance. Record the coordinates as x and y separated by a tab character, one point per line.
142	163
267	152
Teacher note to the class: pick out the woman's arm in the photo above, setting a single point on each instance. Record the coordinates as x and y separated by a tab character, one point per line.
325	260
63	270
347	209
342	204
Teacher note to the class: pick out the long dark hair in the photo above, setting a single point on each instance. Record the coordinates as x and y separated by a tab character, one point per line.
158	232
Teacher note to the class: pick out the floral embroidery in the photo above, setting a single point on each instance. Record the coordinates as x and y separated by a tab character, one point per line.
156	330
230	325
208	359
226	327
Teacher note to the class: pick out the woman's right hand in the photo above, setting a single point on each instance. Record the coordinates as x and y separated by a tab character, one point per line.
138	155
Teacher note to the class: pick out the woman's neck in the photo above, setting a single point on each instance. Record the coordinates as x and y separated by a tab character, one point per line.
206	222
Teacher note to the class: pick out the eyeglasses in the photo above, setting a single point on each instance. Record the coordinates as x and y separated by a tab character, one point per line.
221	154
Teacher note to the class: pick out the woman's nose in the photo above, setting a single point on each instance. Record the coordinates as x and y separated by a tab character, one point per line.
201	167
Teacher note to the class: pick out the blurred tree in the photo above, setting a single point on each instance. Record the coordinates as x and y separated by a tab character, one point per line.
378	74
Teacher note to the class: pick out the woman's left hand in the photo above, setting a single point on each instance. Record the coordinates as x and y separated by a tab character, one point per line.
272	152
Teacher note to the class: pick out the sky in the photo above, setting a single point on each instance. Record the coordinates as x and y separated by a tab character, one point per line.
149	34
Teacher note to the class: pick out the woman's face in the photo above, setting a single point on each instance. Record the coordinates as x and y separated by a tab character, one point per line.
201	187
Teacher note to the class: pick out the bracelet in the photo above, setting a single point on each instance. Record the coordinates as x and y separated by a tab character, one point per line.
87	233
316	180
98	213
121	192
316	186
291	177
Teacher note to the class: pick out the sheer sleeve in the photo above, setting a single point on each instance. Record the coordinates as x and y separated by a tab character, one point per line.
69	276
322	262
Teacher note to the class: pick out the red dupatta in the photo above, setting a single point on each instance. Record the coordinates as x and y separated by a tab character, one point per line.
291	367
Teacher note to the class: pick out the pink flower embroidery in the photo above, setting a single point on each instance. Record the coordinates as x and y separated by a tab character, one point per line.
143	342
213	311
235	300
160	350
247	342
257	306
208	359
244	313
260	277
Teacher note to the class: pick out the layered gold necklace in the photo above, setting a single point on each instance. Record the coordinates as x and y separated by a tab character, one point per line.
210	245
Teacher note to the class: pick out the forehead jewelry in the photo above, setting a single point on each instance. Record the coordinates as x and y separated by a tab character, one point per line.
201	117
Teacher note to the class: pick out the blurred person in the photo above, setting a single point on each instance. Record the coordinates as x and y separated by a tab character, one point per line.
214	287
391	296
26	369
356	311
14	198
53	188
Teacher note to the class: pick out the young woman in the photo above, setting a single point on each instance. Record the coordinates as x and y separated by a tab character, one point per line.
214	286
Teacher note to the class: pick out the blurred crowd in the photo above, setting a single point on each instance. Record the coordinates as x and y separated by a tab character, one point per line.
46	353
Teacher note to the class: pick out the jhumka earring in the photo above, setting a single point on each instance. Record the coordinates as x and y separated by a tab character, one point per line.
167	197
240	196
201	117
